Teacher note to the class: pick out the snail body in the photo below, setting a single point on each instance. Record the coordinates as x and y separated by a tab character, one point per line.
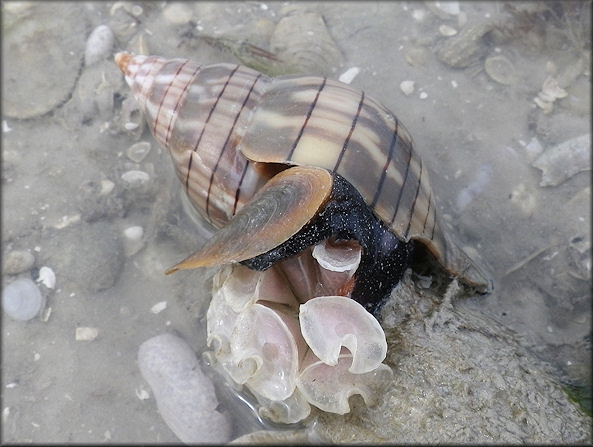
280	164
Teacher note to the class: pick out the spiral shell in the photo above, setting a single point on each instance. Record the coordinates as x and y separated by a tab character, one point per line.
231	130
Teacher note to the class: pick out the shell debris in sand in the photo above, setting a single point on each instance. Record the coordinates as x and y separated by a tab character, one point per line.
564	160
86	333
184	395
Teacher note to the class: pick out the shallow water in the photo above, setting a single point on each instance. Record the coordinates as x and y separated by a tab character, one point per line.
64	199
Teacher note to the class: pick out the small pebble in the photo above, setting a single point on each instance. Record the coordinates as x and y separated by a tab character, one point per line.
142	393
18	261
451	8
158	307
419	15
86	333
98	45
134	177
446	30
106	187
131	126
407	87
177	13
47	277
45	315
22	300
133	242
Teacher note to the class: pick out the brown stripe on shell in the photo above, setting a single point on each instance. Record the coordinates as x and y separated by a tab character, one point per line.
226	148
392	146
218	133
210	123
281	119
347	140
307	117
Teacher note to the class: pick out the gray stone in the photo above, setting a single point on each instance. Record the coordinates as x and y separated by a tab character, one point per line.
90	255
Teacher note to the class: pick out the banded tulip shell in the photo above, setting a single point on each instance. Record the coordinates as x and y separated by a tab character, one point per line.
280	164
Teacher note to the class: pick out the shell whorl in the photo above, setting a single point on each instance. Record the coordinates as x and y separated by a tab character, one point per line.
204	115
198	113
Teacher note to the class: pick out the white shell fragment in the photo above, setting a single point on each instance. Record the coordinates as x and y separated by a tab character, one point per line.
158	307
330	322
106	187
184	395
177	13
22	300
549	93
138	151
135	177
561	162
407	87
451	8
349	75
446	30
86	333
98	45
47	277
133	242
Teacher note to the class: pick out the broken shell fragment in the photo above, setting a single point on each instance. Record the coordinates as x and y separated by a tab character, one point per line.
138	151
47	277
86	333
446	30
500	69
551	91
303	41
561	162
407	87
